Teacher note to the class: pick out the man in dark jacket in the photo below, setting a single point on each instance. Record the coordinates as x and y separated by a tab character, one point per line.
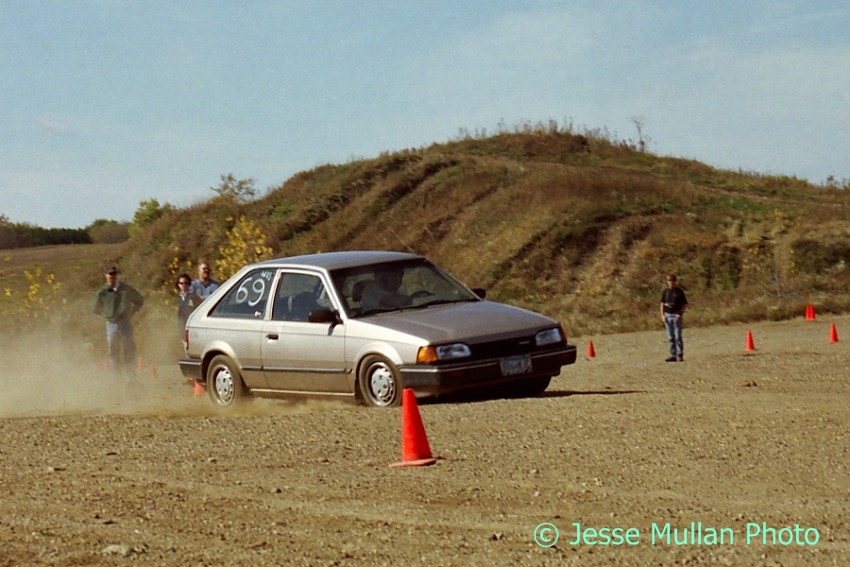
673	305
117	302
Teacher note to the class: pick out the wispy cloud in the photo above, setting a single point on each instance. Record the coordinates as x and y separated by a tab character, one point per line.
52	126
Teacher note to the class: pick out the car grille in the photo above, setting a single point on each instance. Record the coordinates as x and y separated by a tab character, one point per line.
508	347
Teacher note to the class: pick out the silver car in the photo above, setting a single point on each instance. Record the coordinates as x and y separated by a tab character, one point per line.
365	325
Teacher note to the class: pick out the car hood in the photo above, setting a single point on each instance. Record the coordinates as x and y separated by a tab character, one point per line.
472	322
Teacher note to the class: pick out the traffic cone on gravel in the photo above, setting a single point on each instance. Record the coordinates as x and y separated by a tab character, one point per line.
750	344
591	352
197	389
810	312
833	334
415	451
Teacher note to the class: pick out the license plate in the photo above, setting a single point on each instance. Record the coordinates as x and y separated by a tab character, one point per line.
519	364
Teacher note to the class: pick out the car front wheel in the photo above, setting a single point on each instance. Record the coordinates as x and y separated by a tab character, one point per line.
224	383
379	382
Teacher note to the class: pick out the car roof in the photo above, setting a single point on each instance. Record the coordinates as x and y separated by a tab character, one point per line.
338	260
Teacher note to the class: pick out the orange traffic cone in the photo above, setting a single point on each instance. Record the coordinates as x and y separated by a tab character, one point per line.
810	312
197	389
154	374
415	451
591	352
140	362
750	344
833	334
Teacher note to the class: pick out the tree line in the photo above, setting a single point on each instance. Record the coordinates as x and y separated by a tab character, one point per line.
25	235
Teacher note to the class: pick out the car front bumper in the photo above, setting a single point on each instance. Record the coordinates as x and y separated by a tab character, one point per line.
446	378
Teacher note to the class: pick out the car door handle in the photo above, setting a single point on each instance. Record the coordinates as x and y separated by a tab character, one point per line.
272	337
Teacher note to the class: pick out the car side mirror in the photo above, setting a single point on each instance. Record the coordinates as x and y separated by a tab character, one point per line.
324	316
480	292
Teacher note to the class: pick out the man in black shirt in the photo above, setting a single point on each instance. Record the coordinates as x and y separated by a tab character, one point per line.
673	305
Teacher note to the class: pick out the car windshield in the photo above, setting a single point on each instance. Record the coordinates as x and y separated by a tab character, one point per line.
392	286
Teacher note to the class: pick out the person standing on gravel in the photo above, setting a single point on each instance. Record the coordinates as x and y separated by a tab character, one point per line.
186	303
673	305
117	302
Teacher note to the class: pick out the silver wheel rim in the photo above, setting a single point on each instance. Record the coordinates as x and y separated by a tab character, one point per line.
223	385
382	387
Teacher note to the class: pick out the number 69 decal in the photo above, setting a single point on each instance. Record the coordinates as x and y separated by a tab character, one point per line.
253	289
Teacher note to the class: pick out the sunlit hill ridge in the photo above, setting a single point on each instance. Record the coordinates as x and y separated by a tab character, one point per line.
577	226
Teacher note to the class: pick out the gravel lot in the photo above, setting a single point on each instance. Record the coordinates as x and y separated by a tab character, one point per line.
727	442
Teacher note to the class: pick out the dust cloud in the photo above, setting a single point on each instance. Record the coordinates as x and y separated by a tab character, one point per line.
52	370
49	372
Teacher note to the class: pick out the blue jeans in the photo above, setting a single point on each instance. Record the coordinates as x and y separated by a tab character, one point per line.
673	323
122	349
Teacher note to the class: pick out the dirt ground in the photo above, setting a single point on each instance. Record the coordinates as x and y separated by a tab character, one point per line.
729	442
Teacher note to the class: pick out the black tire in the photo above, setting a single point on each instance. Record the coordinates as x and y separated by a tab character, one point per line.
224	383
379	382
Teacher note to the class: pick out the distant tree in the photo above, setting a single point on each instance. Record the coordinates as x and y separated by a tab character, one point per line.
51	236
239	190
25	235
7	233
104	231
638	122
147	213
834	183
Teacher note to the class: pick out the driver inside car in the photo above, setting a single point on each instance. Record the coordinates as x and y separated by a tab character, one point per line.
385	292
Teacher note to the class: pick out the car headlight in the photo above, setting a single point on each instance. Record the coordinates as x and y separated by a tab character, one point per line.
432	353
549	337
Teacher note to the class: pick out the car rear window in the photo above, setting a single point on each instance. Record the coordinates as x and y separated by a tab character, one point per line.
248	298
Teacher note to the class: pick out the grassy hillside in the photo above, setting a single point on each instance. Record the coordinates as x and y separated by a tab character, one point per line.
576	226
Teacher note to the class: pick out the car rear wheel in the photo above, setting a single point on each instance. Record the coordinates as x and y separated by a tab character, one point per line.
224	383
379	382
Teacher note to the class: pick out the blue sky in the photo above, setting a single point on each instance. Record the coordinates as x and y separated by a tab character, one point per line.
107	103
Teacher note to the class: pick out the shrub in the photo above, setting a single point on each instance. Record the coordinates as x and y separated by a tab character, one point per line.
246	243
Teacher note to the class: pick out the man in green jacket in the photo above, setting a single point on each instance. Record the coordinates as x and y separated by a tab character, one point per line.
117	302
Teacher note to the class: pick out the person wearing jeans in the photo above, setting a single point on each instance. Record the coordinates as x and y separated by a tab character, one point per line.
117	302
673	305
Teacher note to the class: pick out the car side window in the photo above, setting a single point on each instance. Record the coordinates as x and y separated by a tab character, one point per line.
248	298
297	295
